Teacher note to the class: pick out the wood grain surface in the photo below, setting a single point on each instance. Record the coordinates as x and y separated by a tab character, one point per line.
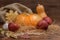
52	8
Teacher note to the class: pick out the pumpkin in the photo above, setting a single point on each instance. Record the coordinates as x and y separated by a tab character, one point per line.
27	19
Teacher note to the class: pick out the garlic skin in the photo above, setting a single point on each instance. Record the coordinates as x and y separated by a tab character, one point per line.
5	26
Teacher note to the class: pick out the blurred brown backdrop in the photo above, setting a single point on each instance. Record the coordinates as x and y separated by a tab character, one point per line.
52	7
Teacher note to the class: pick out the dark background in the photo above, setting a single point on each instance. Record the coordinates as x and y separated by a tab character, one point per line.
51	6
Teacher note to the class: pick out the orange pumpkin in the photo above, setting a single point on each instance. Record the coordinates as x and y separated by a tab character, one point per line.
28	20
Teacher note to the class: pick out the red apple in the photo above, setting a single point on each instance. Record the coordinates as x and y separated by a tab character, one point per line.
48	20
42	25
13	27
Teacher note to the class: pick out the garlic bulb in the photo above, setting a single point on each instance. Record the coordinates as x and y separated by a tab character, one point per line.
5	26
